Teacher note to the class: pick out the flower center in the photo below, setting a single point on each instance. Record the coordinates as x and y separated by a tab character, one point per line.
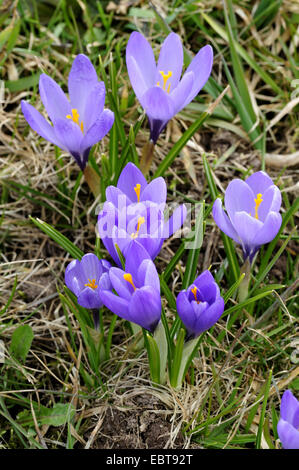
75	117
194	292
141	221
91	283
258	202
165	77
128	278
137	191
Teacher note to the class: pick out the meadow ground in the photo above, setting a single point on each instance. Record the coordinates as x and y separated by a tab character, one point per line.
52	395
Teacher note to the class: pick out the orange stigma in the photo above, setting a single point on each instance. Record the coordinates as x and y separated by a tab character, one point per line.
165	77
194	292
141	221
75	117
91	283
258	202
128	278
137	191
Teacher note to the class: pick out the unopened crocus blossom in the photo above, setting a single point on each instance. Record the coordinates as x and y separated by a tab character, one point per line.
86	278
137	287
78	123
288	425
200	306
252	208
159	87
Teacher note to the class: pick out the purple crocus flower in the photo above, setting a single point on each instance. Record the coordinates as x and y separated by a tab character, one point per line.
138	289
288	425
132	187
78	124
86	279
158	87
143	222
201	305
135	210
252	207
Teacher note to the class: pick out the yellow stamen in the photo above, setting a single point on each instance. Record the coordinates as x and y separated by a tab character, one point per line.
137	191
258	202
91	283
141	221
165	77
194	292
128	278
75	117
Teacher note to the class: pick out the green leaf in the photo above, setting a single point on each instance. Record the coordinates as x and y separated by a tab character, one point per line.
21	342
59	415
161	341
194	247
177	360
60	239
153	357
23	83
244	54
178	146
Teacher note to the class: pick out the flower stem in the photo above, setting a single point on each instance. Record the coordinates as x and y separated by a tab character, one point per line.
93	180
244	286
96	319
147	156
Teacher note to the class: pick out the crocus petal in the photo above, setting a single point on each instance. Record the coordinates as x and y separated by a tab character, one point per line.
137	78
210	316
39	124
82	79
123	288
269	229
223	221
94	105
288	435
158	104
175	221
116	304
271	201
247	228
185	310
117	197
147	275
71	136
239	197
53	98
259	182
89	298
201	66
203	279
181	93
209	292
91	267
135	255
152	245
145	308
74	278
170	60
289	408
128	179
98	130
104	282
156	192
139	48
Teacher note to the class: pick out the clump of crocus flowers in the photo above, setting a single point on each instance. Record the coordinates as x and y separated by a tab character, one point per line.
132	223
